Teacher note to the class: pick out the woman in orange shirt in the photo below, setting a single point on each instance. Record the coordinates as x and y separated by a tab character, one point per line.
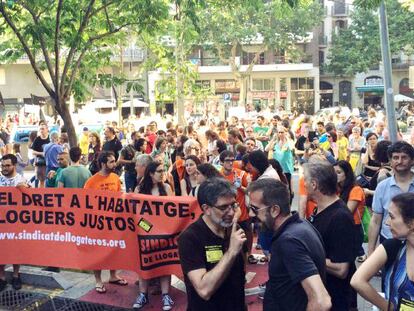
354	197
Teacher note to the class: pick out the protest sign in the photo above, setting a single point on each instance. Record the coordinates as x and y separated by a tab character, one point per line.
93	230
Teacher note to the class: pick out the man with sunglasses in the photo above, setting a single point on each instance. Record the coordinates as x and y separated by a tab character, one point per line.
297	271
211	252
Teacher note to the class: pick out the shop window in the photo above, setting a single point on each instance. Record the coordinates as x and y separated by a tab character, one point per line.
263	84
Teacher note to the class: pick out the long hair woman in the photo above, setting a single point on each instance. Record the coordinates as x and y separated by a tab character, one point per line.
94	149
354	197
153	184
395	257
189	182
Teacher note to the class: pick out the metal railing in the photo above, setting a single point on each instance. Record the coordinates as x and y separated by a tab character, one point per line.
402	64
323	40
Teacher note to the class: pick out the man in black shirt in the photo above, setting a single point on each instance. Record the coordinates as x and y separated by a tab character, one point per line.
297	270
211	252
335	223
113	144
37	148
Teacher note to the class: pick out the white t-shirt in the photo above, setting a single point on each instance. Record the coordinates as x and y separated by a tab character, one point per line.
12	182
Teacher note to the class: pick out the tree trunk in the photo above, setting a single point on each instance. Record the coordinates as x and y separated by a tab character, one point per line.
67	121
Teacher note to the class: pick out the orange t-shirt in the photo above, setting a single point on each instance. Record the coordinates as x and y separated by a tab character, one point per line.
310	205
100	182
240	197
357	194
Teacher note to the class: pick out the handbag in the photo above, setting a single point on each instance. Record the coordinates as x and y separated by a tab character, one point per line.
362	181
365	220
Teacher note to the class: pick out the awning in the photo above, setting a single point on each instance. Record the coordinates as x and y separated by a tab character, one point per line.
370	88
136	103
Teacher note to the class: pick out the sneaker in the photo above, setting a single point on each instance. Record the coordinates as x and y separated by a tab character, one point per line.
16	283
167	302
262	288
141	301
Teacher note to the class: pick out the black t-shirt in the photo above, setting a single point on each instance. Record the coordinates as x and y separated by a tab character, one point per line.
38	143
336	226
113	145
299	254
200	248
128	153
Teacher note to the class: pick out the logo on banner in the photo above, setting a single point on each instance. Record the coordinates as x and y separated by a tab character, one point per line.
158	250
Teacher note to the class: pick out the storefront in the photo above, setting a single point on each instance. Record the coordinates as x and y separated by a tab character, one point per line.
372	92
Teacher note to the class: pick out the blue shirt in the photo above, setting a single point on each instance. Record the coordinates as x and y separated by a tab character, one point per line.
385	191
284	156
51	151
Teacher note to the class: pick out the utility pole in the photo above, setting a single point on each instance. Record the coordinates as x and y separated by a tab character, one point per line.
386	61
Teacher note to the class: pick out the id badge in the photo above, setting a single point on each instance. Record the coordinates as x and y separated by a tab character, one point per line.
213	253
405	305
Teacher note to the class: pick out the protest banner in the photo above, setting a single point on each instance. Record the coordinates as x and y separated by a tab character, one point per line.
93	230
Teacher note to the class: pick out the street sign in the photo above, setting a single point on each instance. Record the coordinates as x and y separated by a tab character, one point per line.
227	97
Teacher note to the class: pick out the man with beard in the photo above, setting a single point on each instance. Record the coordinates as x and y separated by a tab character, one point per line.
112	144
106	180
297	271
10	178
211	252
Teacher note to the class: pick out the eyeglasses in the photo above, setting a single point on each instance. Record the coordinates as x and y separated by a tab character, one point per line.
226	207
256	209
229	160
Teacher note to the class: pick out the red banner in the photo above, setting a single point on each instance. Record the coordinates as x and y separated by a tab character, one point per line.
80	229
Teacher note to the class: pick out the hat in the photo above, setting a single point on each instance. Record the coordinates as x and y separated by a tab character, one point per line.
85	129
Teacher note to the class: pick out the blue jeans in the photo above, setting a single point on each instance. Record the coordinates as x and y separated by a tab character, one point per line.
130	181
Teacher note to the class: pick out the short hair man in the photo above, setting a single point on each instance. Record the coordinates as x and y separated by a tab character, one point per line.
54	175
335	224
107	180
211	251
401	155
10	178
140	166
297	271
76	175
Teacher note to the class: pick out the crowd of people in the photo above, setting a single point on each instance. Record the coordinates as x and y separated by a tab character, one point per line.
241	172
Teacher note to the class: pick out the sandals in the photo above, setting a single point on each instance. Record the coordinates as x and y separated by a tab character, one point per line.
362	258
264	259
100	289
252	260
119	282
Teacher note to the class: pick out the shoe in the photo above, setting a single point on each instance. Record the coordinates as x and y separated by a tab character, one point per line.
141	301
261	295
167	302
3	284
16	283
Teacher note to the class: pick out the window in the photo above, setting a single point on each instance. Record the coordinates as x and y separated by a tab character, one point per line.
247	58
301	83
263	84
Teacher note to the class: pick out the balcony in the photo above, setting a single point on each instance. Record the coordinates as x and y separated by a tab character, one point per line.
323	40
340	9
397	63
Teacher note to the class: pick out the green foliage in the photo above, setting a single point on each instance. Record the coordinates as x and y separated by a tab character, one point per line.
73	39
357	48
268	25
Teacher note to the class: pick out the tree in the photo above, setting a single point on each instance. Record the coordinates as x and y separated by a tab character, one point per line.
357	48
256	27
71	39
409	4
